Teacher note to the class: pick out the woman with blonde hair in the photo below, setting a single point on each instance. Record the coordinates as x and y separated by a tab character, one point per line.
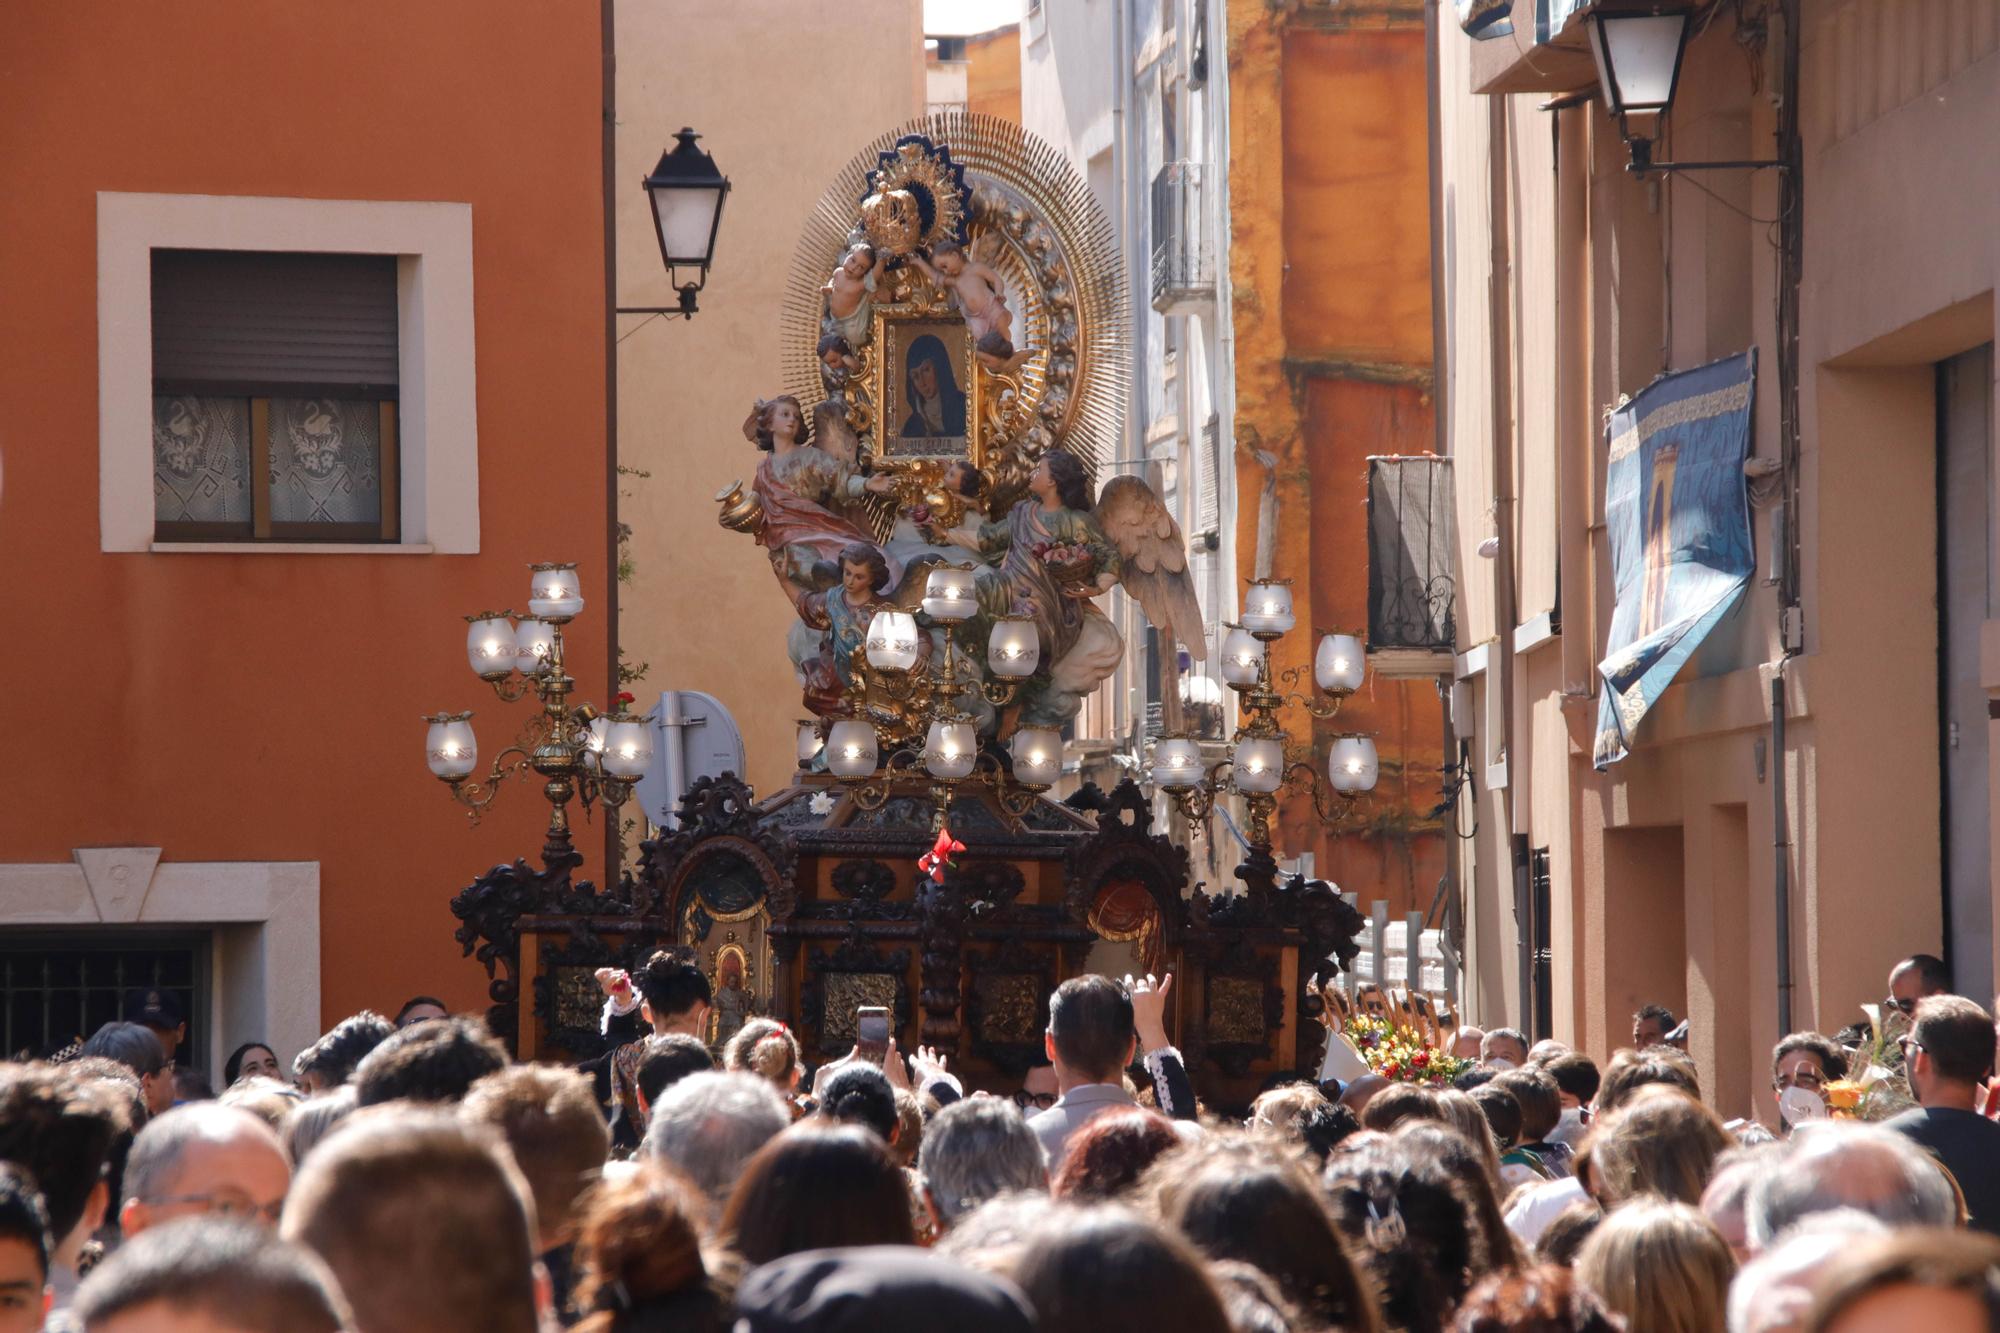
1661	1266
766	1048
1661	1143
1462	1113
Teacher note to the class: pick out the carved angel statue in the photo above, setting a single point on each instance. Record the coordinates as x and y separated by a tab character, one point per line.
980	293
1058	549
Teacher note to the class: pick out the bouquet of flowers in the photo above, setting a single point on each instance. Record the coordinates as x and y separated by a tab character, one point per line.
1070	564
1400	1053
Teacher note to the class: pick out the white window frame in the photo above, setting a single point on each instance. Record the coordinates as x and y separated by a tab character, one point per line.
437	417
265	973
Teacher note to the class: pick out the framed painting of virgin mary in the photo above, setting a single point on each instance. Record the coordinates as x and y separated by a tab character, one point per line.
930	393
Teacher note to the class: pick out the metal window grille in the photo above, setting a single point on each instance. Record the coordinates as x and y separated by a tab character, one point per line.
1183	258
56	988
1412	596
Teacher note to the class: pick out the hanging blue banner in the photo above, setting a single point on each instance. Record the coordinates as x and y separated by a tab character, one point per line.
1678	513
1484	20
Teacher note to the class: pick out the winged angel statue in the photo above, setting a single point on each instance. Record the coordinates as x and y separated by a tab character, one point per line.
1053	553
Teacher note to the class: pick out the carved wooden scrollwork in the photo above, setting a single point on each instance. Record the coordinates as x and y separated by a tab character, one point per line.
839	980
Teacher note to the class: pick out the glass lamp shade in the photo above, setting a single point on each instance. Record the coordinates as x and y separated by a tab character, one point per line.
1352	765
449	746
490	646
687	193
1037	756
1638	56
1176	763
948	595
950	749
628	746
1259	764
536	640
893	641
1242	659
554	592
595	740
1267	608
851	749
809	743
1339	663
1014	649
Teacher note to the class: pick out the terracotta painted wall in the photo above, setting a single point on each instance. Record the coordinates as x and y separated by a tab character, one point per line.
1330	264
265	707
703	607
993	74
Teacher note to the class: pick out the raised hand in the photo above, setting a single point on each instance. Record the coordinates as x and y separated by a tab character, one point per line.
1149	1009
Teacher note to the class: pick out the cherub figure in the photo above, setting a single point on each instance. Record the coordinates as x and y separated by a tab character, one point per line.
842	614
980	293
837	363
850	294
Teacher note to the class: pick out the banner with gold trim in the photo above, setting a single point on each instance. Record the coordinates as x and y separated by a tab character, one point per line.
1677	511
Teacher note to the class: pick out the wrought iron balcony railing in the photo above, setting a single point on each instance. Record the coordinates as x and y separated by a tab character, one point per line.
1183	251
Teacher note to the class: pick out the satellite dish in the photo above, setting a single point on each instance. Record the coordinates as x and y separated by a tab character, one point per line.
696	738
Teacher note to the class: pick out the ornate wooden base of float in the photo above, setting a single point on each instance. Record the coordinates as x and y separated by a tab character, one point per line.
805	906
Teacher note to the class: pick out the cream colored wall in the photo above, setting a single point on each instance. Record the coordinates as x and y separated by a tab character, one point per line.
784	92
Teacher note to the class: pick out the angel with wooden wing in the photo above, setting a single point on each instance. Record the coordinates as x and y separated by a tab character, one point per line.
1058	549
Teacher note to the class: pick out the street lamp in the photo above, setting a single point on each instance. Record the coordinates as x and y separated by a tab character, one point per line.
580	751
1258	766
1638	51
687	193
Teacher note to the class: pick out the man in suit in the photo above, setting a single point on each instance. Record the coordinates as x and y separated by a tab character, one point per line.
1096	1026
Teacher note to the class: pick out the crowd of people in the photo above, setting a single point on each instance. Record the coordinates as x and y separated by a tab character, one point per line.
409	1176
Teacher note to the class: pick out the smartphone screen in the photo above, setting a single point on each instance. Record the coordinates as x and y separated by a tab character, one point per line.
871	1030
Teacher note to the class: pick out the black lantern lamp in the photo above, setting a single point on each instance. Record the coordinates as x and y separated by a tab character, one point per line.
687	193
1638	51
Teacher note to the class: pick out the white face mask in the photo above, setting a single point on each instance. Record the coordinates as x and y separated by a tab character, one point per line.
1571	1120
1798	1106
1501	1063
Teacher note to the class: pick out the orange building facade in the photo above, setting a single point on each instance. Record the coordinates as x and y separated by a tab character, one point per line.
1329	254
222	747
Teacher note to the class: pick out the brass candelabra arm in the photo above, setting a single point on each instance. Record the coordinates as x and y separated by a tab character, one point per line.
1300	776
872	793
1000	692
1324	707
1197	801
475	796
511	689
1015	796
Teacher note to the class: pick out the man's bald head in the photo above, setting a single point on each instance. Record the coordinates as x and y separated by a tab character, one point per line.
204	1158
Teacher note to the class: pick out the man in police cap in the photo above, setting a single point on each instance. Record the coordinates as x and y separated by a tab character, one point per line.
161	1012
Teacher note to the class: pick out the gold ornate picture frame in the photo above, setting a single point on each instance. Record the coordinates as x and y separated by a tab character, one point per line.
912	342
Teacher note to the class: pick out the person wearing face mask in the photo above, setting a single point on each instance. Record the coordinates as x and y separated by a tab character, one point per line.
1801	1067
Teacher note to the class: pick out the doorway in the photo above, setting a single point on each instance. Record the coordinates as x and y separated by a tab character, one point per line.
1966	586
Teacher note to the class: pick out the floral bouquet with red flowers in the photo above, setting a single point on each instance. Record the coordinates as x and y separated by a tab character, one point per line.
1070	564
1400	1053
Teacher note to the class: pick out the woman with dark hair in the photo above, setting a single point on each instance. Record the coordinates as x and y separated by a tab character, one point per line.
1105	1270
930	386
815	1188
1443	1154
1414	1233
1239	1198
253	1059
639	1261
1069	480
1544	1299
1105	1158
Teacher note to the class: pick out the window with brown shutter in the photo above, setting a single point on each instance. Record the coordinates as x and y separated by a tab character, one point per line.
274	396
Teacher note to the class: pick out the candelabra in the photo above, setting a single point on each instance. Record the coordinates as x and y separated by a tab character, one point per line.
581	753
909	699
1260	765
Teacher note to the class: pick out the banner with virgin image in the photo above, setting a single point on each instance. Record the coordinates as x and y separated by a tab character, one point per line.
1677	510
